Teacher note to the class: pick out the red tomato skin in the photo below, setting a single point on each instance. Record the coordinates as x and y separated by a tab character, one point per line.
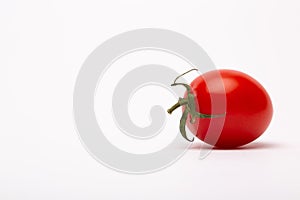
248	108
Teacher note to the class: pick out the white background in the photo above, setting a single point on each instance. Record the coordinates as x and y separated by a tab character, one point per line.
42	47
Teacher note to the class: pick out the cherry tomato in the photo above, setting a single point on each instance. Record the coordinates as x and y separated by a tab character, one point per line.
247	109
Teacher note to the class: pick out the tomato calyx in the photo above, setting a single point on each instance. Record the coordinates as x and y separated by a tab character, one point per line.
190	108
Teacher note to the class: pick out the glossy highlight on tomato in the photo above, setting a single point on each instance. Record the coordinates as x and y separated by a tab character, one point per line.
246	108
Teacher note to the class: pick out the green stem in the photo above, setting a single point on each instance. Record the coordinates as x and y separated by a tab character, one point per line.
174	107
180	102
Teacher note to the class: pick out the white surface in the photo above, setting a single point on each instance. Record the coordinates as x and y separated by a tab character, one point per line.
42	47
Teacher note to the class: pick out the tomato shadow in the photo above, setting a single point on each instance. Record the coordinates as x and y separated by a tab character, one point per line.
251	146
